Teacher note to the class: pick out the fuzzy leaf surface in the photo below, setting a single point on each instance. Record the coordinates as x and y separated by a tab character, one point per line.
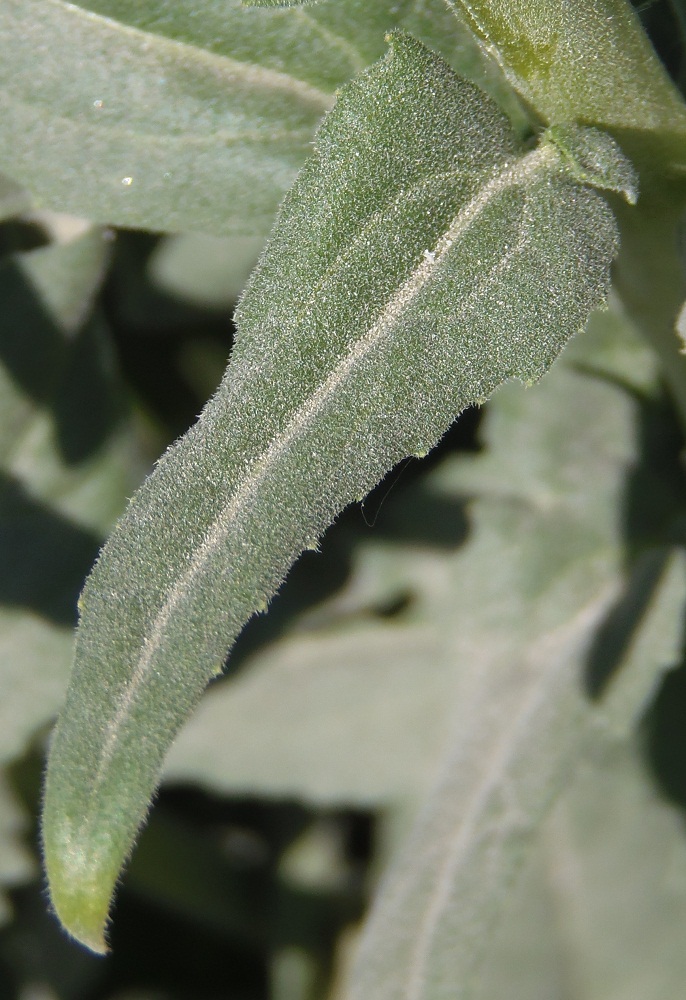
421	260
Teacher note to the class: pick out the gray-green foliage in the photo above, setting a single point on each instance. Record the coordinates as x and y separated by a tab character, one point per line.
358	345
179	116
434	246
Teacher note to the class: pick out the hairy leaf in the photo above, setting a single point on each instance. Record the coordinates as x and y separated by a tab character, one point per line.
420	260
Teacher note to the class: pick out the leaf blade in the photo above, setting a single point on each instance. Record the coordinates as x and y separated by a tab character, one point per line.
353	363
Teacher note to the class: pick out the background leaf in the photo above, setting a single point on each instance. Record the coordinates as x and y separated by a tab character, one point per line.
599	910
527	610
192	117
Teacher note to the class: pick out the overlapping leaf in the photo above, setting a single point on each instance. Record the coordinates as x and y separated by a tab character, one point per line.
538	46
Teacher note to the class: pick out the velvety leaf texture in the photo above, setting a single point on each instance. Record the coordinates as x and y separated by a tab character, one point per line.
420	260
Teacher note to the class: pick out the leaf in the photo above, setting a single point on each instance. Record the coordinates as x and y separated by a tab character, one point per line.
599	911
208	271
381	697
147	125
176	117
546	574
621	914
538	47
367	327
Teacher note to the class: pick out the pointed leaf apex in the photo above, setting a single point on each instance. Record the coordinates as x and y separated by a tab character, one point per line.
593	157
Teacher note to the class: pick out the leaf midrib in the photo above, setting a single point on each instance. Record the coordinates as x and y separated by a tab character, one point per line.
512	176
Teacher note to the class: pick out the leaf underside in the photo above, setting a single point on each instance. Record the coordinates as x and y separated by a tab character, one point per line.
421	259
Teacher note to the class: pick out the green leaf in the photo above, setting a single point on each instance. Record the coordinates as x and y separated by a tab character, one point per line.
599	912
357	752
538	46
421	260
527	612
160	133
178	117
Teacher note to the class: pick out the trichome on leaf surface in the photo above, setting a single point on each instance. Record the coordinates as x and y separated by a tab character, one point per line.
438	242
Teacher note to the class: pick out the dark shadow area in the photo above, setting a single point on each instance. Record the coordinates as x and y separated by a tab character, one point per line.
664	731
72	375
614	636
31	345
205	906
654	520
88	400
44	556
664	21
20	236
150	329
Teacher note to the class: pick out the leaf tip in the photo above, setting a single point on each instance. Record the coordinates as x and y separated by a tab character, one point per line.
80	889
594	157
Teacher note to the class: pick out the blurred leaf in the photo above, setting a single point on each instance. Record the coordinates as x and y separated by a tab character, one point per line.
521	610
599	911
66	464
360	717
616	854
207	271
351	355
182	117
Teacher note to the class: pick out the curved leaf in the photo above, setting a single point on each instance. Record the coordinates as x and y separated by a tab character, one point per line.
421	260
